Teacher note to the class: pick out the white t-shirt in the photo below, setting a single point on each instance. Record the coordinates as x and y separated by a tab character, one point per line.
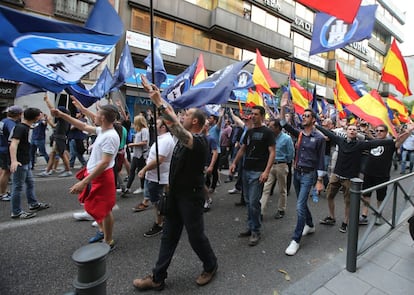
165	149
106	142
142	135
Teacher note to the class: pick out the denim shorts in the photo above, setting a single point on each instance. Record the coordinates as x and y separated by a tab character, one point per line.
153	190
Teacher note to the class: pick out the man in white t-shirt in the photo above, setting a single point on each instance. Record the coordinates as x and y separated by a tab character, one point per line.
96	187
154	187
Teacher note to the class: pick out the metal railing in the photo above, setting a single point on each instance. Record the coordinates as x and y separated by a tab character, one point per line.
370	237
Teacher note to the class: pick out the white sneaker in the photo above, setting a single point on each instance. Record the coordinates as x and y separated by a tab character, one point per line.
308	230
292	249
138	191
66	174
234	191
119	190
82	216
115	207
94	224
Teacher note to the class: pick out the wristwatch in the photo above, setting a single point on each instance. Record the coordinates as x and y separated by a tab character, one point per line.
161	108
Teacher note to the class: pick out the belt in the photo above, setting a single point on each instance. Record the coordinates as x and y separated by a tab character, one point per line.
279	162
302	169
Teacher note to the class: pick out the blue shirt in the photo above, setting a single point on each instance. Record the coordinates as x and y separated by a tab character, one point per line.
214	132
6	127
284	148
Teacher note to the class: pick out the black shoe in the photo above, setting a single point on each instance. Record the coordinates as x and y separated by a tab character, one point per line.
279	214
328	221
238	204
343	227
245	234
154	231
254	239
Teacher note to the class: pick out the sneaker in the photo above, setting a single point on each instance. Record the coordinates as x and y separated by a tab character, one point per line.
45	173
363	220
6	197
205	277
343	227
292	249
66	174
119	190
234	191
138	191
211	190
155	230
147	283
328	221
38	206
94	224
82	216
206	206
97	238
23	215
112	246
279	214
125	192
245	234
308	230
254	239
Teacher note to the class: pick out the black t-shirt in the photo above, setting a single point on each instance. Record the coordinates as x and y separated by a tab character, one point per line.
257	141
187	165
62	128
379	161
21	132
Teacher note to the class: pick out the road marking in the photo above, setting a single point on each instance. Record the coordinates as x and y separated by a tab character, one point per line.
36	220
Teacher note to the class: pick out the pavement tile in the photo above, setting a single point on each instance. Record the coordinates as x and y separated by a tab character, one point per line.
382	258
323	291
375	291
384	280
353	284
404	268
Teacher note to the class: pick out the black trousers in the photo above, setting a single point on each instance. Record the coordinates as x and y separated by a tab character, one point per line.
186	210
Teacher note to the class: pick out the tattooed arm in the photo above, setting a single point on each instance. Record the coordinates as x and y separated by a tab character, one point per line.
168	115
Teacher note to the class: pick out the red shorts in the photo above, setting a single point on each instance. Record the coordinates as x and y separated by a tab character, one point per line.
99	196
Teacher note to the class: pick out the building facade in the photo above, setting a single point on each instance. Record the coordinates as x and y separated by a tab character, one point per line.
226	31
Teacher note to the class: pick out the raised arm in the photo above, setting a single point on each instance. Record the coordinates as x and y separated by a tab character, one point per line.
75	122
82	109
167	114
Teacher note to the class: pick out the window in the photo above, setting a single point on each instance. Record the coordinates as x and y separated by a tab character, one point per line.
164	28
304	13
280	65
258	16
207	4
140	21
301	41
76	9
236	7
283	28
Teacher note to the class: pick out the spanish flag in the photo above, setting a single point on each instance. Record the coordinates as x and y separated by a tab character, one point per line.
261	76
253	99
398	106
395	70
300	97
369	108
200	73
346	94
338	106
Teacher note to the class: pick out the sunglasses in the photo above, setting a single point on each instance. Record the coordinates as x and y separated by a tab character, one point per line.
306	115
380	130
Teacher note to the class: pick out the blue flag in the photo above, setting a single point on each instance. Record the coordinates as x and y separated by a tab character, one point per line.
125	68
160	74
50	54
330	33
213	90
359	87
100	89
26	89
181	83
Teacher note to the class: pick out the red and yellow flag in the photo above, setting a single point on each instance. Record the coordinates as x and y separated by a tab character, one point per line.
261	76
300	97
398	106
345	10
369	108
253	99
395	70
338	106
346	94
200	73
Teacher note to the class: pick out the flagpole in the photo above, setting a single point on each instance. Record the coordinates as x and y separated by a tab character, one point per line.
153	81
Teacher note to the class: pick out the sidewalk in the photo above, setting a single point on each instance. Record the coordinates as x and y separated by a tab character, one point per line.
386	268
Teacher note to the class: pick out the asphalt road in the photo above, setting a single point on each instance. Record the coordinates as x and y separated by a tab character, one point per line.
36	254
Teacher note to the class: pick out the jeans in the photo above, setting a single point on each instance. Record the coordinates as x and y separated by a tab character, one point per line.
136	165
404	160
252	190
75	154
303	183
23	175
186	210
41	145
